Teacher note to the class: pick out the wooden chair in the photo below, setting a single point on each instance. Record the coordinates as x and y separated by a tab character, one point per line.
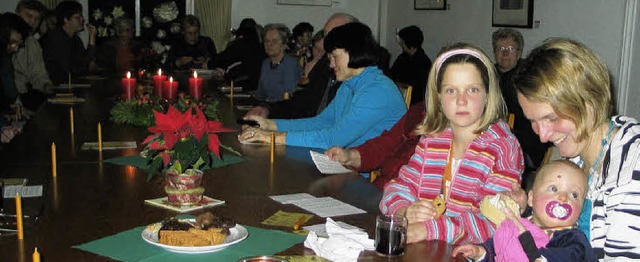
406	91
511	120
373	175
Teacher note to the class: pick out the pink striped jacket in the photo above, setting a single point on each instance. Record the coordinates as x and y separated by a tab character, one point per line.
492	163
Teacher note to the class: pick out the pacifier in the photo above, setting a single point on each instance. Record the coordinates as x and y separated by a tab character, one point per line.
557	210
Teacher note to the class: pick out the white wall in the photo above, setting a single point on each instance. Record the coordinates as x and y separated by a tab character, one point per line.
597	23
8	6
268	11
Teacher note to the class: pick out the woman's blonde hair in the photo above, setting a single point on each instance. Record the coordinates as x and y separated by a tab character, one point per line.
571	78
435	120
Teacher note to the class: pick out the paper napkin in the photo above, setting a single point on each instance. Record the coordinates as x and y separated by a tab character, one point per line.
342	244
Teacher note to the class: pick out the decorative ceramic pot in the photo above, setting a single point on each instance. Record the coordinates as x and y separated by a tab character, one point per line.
184	189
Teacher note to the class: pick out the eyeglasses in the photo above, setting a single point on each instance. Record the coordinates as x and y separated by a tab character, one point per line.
508	49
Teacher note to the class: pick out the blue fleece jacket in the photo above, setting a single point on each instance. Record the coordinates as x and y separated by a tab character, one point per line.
363	107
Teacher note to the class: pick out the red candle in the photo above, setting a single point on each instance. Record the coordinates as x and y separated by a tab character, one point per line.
170	90
128	87
195	86
158	81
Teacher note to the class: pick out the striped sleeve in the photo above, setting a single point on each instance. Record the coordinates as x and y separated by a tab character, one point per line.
403	190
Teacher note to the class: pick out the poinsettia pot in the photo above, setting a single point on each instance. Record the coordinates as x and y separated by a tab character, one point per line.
190	179
184	188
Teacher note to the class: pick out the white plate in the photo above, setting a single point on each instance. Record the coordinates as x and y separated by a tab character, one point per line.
236	234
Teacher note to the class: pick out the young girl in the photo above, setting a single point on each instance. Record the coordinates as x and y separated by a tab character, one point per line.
557	197
466	152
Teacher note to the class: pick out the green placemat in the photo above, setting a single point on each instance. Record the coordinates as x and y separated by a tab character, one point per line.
129	246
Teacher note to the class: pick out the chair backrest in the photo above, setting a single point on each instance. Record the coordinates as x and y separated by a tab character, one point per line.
406	91
511	120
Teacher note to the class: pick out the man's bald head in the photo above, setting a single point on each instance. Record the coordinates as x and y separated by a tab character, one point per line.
338	19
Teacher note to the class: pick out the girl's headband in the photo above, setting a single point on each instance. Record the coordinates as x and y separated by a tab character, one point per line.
451	53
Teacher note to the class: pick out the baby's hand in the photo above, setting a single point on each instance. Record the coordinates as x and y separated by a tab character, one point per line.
471	251
516	219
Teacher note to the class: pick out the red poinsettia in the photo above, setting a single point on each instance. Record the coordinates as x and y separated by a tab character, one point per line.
179	137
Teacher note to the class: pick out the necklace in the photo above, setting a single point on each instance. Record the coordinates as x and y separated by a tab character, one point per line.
596	163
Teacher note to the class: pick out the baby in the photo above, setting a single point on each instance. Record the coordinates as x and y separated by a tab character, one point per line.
550	234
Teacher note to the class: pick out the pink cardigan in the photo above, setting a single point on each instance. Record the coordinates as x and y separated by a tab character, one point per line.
492	163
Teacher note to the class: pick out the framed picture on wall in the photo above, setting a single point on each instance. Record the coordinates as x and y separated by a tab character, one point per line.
429	4
512	13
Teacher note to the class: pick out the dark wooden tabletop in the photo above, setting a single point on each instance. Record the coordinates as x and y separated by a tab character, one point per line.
90	199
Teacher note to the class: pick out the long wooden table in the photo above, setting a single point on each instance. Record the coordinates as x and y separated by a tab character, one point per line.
90	199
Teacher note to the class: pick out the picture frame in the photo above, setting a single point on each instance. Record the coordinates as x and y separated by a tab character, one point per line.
306	2
512	13
429	4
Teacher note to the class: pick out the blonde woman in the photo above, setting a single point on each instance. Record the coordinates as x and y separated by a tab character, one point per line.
564	90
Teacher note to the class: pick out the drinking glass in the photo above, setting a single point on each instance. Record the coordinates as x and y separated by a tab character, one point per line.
391	235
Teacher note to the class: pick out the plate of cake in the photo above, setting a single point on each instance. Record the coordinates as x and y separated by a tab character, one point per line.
194	236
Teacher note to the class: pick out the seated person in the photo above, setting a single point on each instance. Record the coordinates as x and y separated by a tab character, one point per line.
316	54
366	104
412	66
30	75
63	51
245	49
550	233
13	31
507	45
466	152
193	51
318	92
120	54
300	46
280	72
387	152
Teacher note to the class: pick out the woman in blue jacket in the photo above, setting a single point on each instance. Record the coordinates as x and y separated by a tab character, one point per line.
366	103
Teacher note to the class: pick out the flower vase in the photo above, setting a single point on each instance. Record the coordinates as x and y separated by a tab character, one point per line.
184	189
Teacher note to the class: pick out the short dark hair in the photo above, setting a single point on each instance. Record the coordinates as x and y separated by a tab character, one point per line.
66	10
32	5
300	29
411	36
357	40
10	22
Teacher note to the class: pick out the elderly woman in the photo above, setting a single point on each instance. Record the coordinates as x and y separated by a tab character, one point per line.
366	103
564	90
280	72
119	55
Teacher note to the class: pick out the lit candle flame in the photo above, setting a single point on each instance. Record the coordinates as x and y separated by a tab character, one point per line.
128	74
195	74
171	79
160	71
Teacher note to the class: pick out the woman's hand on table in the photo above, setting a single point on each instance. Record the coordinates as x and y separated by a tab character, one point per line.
348	157
264	123
471	251
258	111
258	135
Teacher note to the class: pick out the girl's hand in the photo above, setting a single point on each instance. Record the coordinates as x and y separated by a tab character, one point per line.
416	232
420	211
471	251
265	123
